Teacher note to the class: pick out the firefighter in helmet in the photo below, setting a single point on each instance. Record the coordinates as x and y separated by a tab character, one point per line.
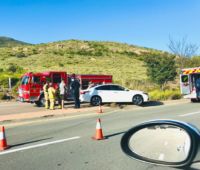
58	97
46	95
52	96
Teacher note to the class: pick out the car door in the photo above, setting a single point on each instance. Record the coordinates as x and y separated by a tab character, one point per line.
105	93
121	94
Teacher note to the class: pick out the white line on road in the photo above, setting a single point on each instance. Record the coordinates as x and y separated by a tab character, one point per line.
161	157
43	144
166	143
189	114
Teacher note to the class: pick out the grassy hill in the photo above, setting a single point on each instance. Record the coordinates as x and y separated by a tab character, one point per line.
10	42
123	61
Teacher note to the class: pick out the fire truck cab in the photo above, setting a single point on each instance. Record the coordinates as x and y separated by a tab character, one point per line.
31	85
187	82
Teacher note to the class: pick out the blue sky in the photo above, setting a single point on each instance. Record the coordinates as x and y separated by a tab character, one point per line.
146	23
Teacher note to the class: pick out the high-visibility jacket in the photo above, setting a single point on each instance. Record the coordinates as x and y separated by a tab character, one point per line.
52	93
45	88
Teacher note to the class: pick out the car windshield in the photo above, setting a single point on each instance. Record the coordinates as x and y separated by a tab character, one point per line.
24	80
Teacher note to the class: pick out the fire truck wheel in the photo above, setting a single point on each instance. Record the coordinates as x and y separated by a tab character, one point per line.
137	100
42	100
38	103
96	100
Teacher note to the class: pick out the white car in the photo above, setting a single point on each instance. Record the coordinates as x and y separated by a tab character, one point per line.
113	93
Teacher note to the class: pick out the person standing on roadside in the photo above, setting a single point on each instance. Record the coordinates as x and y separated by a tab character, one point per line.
52	94
58	95
63	89
75	85
46	95
197	86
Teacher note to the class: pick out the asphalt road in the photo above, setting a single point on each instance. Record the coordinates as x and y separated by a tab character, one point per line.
67	143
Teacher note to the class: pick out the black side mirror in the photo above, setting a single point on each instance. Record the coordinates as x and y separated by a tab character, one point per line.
163	142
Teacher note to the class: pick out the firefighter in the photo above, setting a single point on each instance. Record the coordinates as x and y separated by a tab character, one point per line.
52	94
46	95
58	95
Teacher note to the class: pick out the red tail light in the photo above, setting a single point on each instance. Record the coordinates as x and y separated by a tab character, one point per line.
84	92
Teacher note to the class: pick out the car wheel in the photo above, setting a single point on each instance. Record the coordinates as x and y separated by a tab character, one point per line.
137	100
96	101
194	100
38	103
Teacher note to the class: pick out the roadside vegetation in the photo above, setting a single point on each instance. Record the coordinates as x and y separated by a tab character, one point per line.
127	63
3	96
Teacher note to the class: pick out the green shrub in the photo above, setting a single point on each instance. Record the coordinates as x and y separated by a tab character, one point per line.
60	53
165	95
1	70
83	52
2	96
20	55
15	89
166	88
177	95
98	53
12	68
35	51
4	81
61	65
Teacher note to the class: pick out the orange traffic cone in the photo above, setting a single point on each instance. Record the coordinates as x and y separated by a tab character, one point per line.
98	134
100	110
3	143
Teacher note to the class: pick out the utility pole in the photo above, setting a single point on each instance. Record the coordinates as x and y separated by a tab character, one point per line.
10	87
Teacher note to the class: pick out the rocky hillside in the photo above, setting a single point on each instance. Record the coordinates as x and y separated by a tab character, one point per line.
125	62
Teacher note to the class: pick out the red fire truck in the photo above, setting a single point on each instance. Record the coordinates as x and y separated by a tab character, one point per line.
31	85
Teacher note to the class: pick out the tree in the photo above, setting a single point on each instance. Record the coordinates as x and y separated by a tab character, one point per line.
161	68
182	49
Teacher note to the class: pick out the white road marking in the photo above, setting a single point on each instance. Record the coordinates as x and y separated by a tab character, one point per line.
166	143
43	144
161	157
189	114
